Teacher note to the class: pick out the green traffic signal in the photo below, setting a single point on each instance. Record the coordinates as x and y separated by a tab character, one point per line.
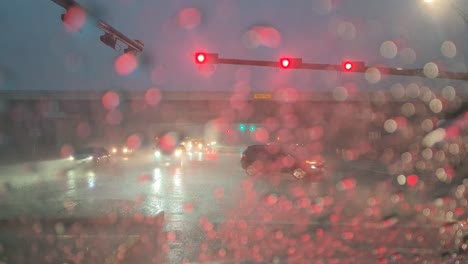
252	128
242	127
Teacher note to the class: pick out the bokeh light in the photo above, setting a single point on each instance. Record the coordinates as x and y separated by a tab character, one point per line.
448	49
343	29
287	94
448	92
340	93
412	90
388	49
74	19
110	100
126	64
152	96
412	180
431	70
408	109
265	36
435	105
390	126
66	151
83	130
373	75
189	18
407	56
114	117
261	135
168	141
133	142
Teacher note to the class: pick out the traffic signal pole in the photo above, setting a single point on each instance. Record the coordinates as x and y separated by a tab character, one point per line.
134	45
334	67
248	62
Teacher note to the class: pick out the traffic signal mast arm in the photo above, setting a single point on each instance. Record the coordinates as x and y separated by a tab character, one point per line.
133	44
248	62
356	66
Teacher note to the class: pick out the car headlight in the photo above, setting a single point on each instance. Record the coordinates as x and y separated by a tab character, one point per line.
313	164
125	150
157	154
71	158
114	150
90	158
178	152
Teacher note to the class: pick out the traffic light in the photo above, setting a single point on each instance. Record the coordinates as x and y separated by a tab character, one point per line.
353	66
289	63
242	127
206	58
200	57
285	63
252	128
108	39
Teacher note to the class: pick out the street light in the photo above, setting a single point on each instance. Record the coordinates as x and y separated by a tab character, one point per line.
452	4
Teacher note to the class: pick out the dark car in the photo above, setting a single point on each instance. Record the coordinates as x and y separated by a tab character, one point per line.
291	158
96	155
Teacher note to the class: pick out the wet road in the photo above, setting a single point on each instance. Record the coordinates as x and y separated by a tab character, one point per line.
214	212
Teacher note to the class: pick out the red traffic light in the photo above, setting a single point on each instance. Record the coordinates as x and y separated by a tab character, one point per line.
348	66
206	58
286	63
200	58
351	66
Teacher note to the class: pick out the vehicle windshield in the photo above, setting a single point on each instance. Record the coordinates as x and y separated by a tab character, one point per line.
268	131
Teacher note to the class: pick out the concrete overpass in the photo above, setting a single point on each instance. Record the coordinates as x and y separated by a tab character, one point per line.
55	118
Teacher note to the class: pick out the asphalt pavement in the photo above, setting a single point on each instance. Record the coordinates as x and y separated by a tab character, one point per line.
215	213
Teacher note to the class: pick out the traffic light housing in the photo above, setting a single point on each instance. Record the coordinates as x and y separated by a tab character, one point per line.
109	40
290	63
353	66
206	58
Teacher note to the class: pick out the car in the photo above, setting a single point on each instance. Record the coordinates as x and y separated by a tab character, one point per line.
194	145
122	152
95	155
197	150
291	158
170	156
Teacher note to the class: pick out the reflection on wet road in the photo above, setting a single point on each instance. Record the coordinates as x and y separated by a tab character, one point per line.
213	211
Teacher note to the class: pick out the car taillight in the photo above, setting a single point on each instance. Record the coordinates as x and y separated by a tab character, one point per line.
243	155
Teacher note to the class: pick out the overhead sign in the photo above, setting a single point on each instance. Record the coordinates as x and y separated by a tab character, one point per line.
263	96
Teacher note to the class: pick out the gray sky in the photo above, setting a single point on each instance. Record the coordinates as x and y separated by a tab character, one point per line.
37	52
